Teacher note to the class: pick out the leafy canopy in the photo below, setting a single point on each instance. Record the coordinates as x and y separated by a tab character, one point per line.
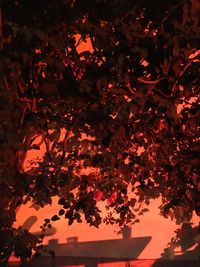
110	87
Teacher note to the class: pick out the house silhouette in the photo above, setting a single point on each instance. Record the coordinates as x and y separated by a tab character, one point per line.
91	253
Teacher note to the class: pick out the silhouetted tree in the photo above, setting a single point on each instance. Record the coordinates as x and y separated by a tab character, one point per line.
125	108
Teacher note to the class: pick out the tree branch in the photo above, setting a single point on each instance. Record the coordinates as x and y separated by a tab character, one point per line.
95	50
67	134
149	82
171	11
183	71
46	141
163	94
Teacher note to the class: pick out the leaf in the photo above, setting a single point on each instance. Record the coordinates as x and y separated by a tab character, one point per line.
133	202
47	220
189	194
55	218
35	147
145	210
85	54
49	226
61	212
61	201
55	136
136	221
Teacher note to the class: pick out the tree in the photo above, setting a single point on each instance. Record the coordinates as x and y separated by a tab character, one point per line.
126	110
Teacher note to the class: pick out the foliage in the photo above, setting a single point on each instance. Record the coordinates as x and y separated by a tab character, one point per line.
186	238
125	109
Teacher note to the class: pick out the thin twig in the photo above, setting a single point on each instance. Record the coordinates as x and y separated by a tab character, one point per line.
95	50
6	83
46	141
153	83
182	72
149	82
163	94
22	117
66	137
79	41
36	136
130	12
186	67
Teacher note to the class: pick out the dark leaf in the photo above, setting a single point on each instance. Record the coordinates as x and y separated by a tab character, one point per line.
55	218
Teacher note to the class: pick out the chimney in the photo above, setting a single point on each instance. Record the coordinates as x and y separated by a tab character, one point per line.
126	232
72	240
